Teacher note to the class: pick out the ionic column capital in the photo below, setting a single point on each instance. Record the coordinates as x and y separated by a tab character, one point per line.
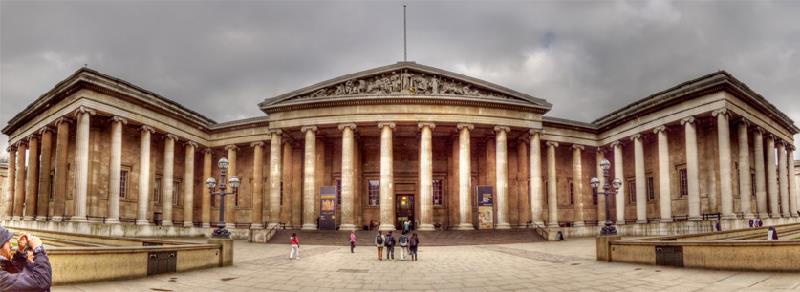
381	125
501	129
465	126
636	137
173	137
277	132
352	126
601	150
758	130
743	122
208	151
31	137
660	129
524	139
84	110
21	144
145	128
257	144
615	144
305	129
577	147
428	125
11	148
190	143
231	147
63	119
552	144
721	111
689	120
119	119
533	132
45	129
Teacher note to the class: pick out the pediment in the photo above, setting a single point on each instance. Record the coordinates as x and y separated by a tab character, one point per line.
405	79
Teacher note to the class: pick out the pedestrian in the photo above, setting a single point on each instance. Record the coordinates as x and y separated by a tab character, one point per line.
772	234
295	242
352	241
390	242
403	240
379	242
750	223
33	272
406	225
413	245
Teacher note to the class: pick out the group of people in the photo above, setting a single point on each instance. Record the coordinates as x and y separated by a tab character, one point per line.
25	269
408	245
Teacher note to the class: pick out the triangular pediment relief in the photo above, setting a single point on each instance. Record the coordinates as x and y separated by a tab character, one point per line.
405	79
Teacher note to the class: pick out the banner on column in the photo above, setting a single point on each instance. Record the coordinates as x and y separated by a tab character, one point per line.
485	209
327	210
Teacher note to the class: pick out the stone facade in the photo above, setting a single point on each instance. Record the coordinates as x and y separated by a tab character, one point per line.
399	134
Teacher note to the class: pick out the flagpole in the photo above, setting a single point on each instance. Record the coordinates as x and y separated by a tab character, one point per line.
404	34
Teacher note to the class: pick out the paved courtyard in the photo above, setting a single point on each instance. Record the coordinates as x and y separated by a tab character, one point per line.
538	266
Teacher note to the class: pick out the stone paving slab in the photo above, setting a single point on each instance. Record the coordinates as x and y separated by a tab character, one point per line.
538	266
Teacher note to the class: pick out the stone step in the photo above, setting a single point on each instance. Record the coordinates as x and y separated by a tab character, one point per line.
428	238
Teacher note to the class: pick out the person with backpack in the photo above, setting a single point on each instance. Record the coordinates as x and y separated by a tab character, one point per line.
352	241
403	240
390	243
295	242
379	242
413	244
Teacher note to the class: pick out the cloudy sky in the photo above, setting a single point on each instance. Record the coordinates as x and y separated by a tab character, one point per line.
221	58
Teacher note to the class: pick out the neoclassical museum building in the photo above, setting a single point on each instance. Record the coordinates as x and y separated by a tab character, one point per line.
395	143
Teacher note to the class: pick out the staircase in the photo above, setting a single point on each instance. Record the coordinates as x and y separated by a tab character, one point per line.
426	238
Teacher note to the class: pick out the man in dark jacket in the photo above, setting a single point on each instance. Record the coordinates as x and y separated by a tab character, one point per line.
26	270
390	242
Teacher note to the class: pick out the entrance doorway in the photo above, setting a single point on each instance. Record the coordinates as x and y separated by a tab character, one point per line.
404	210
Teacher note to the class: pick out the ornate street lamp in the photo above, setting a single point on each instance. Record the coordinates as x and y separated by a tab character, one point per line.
221	232
609	228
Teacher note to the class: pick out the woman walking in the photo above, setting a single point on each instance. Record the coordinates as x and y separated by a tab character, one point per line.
352	241
413	244
295	242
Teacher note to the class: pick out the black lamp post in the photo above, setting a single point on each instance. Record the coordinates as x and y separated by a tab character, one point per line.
221	232
609	228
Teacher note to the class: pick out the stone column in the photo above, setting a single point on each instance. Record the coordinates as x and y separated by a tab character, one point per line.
692	168
230	206
61	171
664	189
43	202
144	175
205	214
32	178
537	198
387	177
188	183
348	177
275	172
601	199
792	182
19	186
783	179
83	117
619	196
501	176
115	166
309	222
464	178
257	213
426	176
772	179
10	186
552	196
724	152
761	180
641	190
168	179
577	183
745	185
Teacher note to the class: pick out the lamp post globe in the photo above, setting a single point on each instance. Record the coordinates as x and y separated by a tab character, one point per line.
212	185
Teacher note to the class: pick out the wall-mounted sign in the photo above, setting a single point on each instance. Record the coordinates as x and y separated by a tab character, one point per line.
327	210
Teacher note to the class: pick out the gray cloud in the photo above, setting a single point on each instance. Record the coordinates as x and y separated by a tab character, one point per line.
221	58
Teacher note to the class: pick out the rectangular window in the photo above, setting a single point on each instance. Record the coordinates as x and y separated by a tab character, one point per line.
281	193
753	183
50	191
651	192
373	192
438	192
632	191
684	188
338	192
177	192
571	192
157	190
123	184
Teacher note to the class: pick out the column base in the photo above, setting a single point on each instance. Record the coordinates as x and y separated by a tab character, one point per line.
16	218
729	217
641	221
749	216
57	219
206	225
256	226
464	226
552	224
230	225
188	224
426	227
698	218
578	224
41	219
502	226
538	223
773	215
348	227
78	219
28	218
309	226
665	220
142	222
112	221
386	227
166	223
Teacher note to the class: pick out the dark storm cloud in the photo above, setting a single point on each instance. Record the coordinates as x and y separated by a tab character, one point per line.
221	58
